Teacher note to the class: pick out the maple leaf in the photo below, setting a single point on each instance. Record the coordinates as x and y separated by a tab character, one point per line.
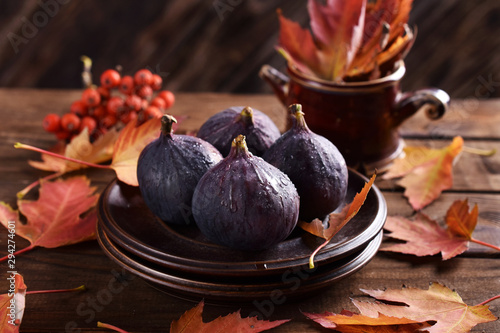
192	322
438	303
424	236
426	172
349	322
63	214
12	305
336	221
338	32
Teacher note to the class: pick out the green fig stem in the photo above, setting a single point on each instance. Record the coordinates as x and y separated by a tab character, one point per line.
485	244
489	300
299	121
42	151
80	288
239	145
246	116
15	254
167	124
111	327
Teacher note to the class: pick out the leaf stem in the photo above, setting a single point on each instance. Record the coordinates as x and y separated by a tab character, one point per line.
111	327
478	151
485	244
28	188
42	151
80	288
489	300
26	249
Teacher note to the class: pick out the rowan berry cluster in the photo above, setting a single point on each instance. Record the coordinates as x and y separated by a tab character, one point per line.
117	101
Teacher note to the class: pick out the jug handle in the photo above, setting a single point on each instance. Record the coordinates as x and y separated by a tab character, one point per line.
277	80
435	101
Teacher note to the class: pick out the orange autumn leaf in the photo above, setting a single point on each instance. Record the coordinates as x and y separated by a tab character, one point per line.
63	214
336	221
349	322
425	237
425	172
128	147
12	305
438	304
79	148
192	322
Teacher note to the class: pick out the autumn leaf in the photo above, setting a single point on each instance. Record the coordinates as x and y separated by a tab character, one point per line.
79	148
128	147
63	214
425	172
192	322
437	304
349	322
336	221
425	237
12	305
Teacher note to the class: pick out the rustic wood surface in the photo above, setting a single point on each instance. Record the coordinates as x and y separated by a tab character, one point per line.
138	307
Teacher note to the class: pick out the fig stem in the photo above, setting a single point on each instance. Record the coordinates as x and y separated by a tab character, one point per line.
246	116
167	124
299	120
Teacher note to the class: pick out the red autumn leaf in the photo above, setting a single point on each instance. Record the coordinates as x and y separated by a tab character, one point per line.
12	305
63	214
192	322
426	172
338	32
424	236
437	304
349	322
336	221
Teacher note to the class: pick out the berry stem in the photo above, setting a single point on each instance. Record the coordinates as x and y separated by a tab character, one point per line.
111	327
28	188
42	151
485	244
15	254
489	300
80	288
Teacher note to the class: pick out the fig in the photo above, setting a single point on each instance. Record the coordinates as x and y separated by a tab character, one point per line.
168	170
259	130
244	202
314	164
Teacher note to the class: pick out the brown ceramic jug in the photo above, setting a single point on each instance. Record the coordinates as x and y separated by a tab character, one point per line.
360	118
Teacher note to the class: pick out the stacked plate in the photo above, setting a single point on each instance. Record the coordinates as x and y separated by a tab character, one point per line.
181	261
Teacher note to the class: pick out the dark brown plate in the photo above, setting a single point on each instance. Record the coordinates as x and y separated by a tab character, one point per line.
125	219
292	283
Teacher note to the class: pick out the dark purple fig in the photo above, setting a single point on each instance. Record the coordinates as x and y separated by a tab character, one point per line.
244	202
259	130
168	170
314	165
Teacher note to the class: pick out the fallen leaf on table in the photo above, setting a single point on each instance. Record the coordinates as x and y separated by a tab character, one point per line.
191	322
425	236
336	221
438	303
79	148
12	306
63	214
349	322
426	172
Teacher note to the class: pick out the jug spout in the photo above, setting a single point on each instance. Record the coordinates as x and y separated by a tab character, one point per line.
277	80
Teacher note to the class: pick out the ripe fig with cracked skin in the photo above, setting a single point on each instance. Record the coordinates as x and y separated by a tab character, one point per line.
314	165
169	169
259	130
244	202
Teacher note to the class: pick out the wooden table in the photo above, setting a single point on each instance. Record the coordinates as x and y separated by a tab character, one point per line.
137	307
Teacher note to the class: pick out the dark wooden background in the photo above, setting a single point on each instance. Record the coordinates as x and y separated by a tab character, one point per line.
197	48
